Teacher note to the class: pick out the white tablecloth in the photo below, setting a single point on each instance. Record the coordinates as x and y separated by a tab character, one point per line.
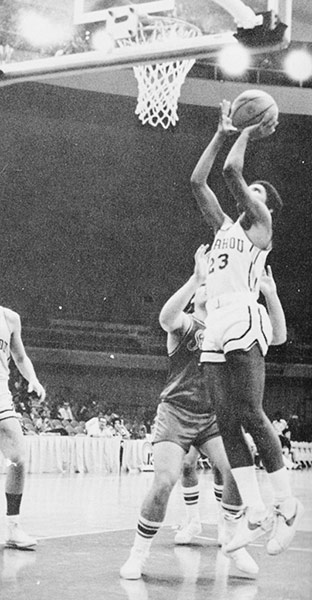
83	454
76	454
137	454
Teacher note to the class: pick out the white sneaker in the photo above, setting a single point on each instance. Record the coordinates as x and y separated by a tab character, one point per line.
132	569
287	517
17	538
249	531
186	534
244	562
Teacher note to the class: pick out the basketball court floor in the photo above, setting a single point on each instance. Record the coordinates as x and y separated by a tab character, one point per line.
85	524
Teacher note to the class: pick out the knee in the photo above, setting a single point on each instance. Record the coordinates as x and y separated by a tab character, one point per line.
164	483
254	419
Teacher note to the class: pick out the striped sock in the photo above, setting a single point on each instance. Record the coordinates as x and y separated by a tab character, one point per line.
145	533
191	499
218	491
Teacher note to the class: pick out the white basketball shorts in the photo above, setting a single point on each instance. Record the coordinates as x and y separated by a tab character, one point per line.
235	325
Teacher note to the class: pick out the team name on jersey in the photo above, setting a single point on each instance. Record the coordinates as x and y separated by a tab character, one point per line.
233	243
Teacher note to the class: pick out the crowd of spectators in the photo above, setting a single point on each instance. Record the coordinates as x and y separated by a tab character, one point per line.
60	418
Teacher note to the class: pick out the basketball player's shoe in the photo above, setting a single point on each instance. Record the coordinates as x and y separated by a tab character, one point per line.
249	530
287	516
17	538
132	568
186	534
242	560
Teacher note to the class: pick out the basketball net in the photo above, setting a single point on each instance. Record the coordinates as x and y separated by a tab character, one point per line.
159	84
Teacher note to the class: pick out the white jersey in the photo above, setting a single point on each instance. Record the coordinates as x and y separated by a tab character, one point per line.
235	264
5	337
235	320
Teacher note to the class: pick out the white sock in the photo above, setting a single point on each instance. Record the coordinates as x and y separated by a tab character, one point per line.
280	483
247	483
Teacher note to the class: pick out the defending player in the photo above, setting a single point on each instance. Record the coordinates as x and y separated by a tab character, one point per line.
238	327
11	436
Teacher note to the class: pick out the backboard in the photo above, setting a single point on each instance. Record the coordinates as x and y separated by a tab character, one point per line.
63	37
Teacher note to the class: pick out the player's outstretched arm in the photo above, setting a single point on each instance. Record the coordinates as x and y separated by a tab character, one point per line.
172	317
274	307
205	197
233	174
20	357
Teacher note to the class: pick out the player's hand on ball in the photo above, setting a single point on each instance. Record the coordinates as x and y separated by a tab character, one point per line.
263	129
225	122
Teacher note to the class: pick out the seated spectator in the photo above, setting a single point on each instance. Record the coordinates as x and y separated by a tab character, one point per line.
43	422
98	427
295	428
27	425
65	412
83	413
21	398
281	426
142	432
120	429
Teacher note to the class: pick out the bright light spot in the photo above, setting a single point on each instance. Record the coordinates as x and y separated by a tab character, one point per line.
40	31
102	41
60	307
234	59
298	65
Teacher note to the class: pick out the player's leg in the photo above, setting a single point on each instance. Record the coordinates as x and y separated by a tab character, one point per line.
247	379
190	490
12	447
222	389
168	458
231	504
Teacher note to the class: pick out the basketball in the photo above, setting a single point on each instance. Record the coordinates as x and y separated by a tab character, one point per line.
250	107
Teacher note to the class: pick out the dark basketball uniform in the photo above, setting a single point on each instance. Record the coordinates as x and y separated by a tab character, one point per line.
185	415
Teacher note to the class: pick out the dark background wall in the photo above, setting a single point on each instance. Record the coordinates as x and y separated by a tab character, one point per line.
97	218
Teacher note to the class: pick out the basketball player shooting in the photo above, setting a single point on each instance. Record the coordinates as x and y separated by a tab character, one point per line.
238	332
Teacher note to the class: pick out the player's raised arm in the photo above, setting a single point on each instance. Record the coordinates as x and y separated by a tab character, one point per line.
245	196
205	197
274	307
172	317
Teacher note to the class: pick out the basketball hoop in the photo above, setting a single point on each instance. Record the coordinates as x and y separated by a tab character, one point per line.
159	84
